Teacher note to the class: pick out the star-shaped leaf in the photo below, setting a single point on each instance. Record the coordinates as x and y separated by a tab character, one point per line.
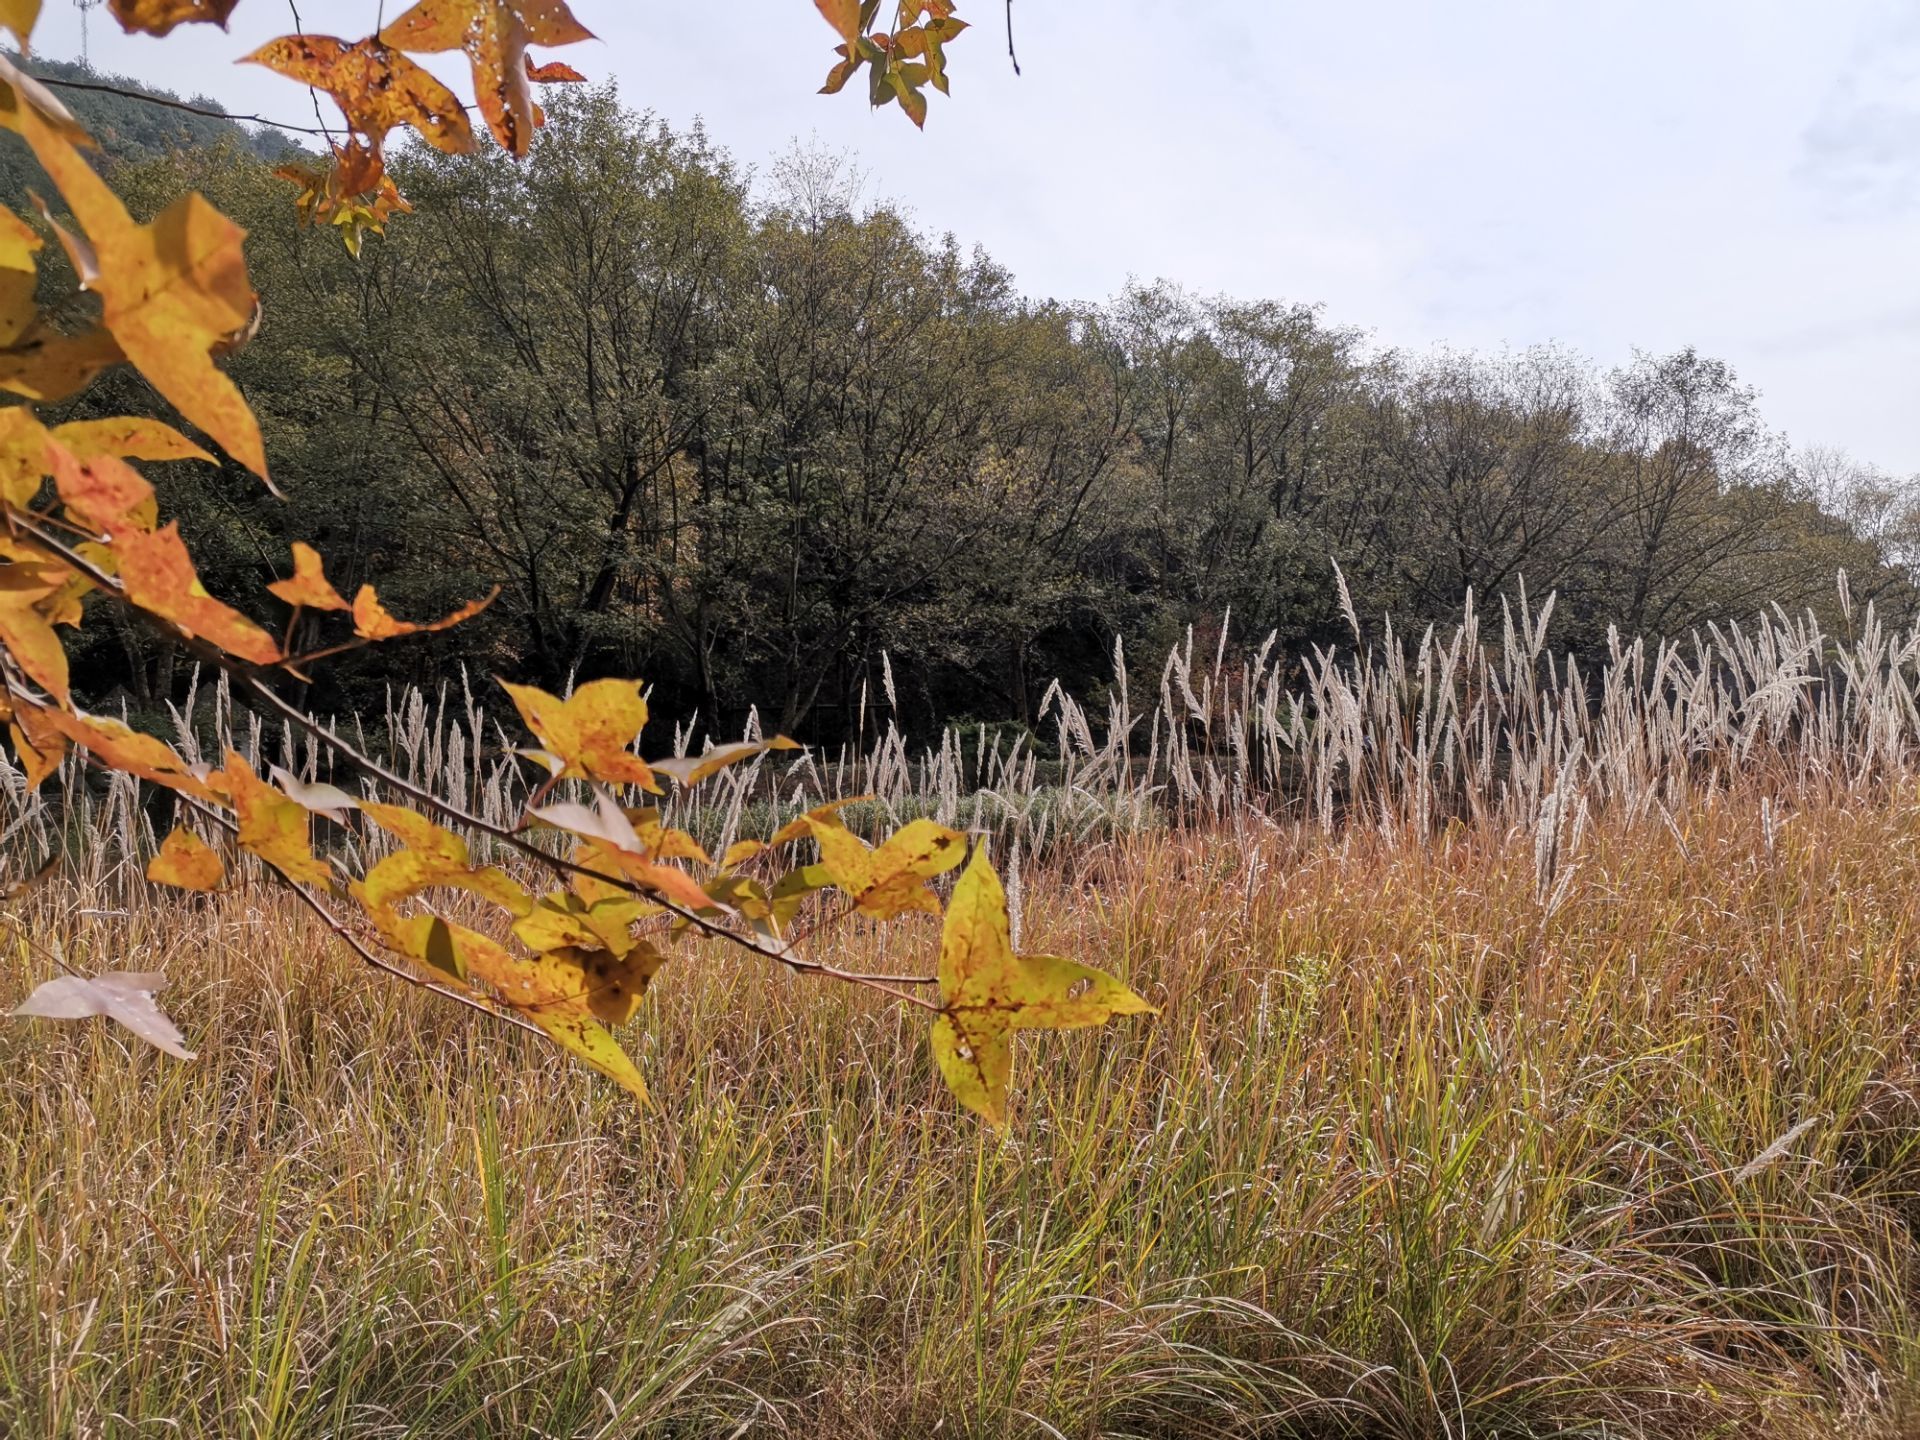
592	731
558	992
891	880
376	87
988	992
495	35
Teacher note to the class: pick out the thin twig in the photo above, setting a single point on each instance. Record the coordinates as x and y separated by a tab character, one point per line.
1011	53
167	102
247	679
472	999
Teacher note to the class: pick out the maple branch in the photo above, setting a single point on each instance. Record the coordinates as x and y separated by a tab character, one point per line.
1011	54
247	678
471	999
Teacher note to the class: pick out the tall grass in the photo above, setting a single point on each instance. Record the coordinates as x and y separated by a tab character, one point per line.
1403	736
1535	1059
1410	1152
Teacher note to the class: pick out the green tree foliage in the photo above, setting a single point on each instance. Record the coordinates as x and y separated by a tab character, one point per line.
746	439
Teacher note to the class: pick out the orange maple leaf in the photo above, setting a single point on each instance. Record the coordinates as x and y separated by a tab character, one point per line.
495	35
372	622
173	293
158	17
309	586
377	88
159	577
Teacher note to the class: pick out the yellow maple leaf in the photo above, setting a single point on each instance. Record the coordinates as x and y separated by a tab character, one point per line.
273	827
26	632
19	277
433	858
592	731
891	880
988	992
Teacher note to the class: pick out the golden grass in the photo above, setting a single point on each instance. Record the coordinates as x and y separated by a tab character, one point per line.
1413	1152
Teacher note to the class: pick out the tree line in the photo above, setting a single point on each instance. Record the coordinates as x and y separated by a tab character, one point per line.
747	438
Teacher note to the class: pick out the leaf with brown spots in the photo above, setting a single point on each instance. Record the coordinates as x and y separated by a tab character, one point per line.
127	438
377	88
353	192
103	494
563	920
495	35
159	577
592	731
891	880
158	17
555	992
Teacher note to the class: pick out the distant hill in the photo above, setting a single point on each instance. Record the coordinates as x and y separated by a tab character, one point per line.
130	130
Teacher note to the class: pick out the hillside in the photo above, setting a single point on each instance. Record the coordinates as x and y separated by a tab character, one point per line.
131	130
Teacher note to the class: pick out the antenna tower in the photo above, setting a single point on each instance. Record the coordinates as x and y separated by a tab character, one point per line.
85	7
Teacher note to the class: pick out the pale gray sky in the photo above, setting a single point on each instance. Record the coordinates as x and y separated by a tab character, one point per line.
1741	175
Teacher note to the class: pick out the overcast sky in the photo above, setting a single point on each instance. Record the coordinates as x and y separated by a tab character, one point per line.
1739	175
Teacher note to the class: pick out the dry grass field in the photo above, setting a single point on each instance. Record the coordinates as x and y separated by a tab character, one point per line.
1536	1058
1420	1146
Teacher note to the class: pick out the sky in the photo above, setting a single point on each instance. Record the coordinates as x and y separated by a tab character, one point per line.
1738	175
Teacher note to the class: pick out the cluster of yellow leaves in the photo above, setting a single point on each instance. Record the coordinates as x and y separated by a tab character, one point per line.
904	60
77	517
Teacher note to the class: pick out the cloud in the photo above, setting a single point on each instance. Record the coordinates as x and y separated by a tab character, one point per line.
1862	151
